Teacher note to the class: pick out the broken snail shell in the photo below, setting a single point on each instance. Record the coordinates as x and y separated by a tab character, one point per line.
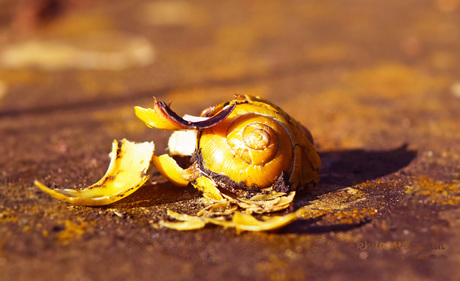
247	147
256	147
247	152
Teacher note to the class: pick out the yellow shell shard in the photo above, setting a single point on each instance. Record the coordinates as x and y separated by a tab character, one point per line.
162	117
183	217
306	164
208	187
185	222
220	221
245	222
169	168
184	225
155	118
220	209
278	203
129	169
265	197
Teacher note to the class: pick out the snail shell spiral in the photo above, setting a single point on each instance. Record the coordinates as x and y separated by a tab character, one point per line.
253	146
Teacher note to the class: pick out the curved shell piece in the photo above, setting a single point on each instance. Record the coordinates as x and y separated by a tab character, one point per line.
162	117
128	170
168	167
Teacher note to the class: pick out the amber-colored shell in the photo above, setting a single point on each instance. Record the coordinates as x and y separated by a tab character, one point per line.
257	144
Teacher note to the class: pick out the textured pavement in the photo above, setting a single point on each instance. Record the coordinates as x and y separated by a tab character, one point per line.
376	82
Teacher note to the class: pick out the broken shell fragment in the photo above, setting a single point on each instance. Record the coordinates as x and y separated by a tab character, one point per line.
162	117
129	169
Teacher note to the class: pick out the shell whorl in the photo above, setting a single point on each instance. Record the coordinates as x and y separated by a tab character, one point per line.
254	142
248	146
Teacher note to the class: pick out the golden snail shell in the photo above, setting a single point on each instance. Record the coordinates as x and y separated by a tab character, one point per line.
258	146
248	148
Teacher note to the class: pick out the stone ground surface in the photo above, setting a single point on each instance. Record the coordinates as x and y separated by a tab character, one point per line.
376	82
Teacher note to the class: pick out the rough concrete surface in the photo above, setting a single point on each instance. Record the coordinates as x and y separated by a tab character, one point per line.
376	82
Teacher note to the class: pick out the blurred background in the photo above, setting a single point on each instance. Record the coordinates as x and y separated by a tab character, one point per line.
358	74
376	82
335	66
